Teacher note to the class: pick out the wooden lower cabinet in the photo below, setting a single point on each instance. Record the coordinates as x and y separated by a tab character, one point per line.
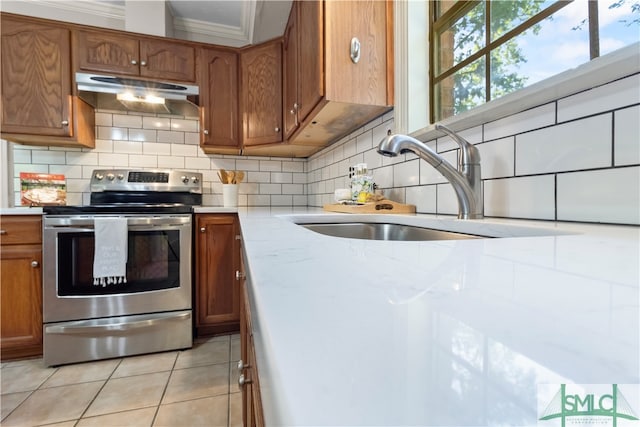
20	286
252	415
217	259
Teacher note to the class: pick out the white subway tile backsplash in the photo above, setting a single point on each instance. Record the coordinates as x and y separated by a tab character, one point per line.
299	178
171	137
581	144
617	94
522	122
156	123
184	150
143	135
270	188
626	146
364	142
259	177
446	200
104	119
192	138
372	158
430	175
128	147
75	158
112	133
281	177
611	196
28	167
497	158
226	164
270	165
197	163
67	171
249	188
103	146
184	125
48	157
523	197
156	148
299	200
77	185
383	177
281	200
127	121
292	166
424	197
113	160
405	174
259	200
21	156
171	162
247	165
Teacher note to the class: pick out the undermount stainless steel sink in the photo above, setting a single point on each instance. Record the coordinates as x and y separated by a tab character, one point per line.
385	231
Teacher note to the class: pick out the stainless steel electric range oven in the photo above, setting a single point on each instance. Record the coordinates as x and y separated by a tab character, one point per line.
148	309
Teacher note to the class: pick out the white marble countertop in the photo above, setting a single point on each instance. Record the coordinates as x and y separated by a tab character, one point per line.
356	332
213	209
21	210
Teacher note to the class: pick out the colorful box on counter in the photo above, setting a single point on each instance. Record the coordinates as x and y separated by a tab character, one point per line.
42	189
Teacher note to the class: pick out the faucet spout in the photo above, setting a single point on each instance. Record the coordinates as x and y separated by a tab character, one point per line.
465	180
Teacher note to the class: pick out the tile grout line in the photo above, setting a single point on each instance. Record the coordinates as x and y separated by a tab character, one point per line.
98	393
155	415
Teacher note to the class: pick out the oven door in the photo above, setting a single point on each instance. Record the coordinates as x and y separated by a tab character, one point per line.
158	268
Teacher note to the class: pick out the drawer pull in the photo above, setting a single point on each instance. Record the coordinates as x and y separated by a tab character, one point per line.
242	366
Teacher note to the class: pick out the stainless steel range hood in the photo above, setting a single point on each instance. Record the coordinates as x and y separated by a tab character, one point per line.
131	94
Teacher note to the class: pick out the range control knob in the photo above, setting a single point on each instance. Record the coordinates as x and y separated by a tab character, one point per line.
110	176
195	179
120	177
185	179
99	176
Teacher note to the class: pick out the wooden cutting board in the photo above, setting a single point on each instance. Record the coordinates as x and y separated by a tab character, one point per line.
379	207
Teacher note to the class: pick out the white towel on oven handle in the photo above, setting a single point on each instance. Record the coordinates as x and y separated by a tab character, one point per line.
110	255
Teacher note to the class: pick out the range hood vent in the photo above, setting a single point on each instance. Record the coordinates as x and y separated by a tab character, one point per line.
102	92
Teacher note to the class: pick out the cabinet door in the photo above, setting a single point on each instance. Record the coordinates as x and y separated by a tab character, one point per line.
107	53
36	79
364	82
290	73
311	57
261	81
219	98
167	60
217	260
21	287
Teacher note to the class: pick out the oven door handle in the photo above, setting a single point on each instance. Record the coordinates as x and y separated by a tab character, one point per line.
91	329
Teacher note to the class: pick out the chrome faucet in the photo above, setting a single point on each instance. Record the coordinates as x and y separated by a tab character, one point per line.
465	180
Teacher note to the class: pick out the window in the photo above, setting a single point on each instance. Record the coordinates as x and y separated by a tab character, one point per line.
483	50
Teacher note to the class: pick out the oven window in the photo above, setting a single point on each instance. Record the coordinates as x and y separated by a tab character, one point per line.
153	263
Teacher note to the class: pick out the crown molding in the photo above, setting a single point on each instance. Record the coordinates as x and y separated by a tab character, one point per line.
101	9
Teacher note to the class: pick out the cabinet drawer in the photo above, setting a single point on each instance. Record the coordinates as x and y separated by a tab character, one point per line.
20	229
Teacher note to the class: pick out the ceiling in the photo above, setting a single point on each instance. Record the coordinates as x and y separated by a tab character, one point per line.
225	22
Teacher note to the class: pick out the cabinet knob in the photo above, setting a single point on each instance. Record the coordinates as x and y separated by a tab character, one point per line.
35	264
277	129
143	63
134	62
3	231
205	131
203	229
355	50
239	275
242	366
242	381
65	123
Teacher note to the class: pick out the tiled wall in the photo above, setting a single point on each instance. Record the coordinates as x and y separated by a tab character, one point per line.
575	159
162	142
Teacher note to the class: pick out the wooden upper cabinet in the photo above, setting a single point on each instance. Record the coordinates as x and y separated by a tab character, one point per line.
37	102
365	81
290	73
112	53
311	57
303	62
261	93
36	79
218	79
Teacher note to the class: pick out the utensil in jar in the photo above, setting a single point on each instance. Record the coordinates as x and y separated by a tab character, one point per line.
231	177
222	174
239	176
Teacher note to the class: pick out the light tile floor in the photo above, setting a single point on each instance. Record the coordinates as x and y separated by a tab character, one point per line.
195	387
